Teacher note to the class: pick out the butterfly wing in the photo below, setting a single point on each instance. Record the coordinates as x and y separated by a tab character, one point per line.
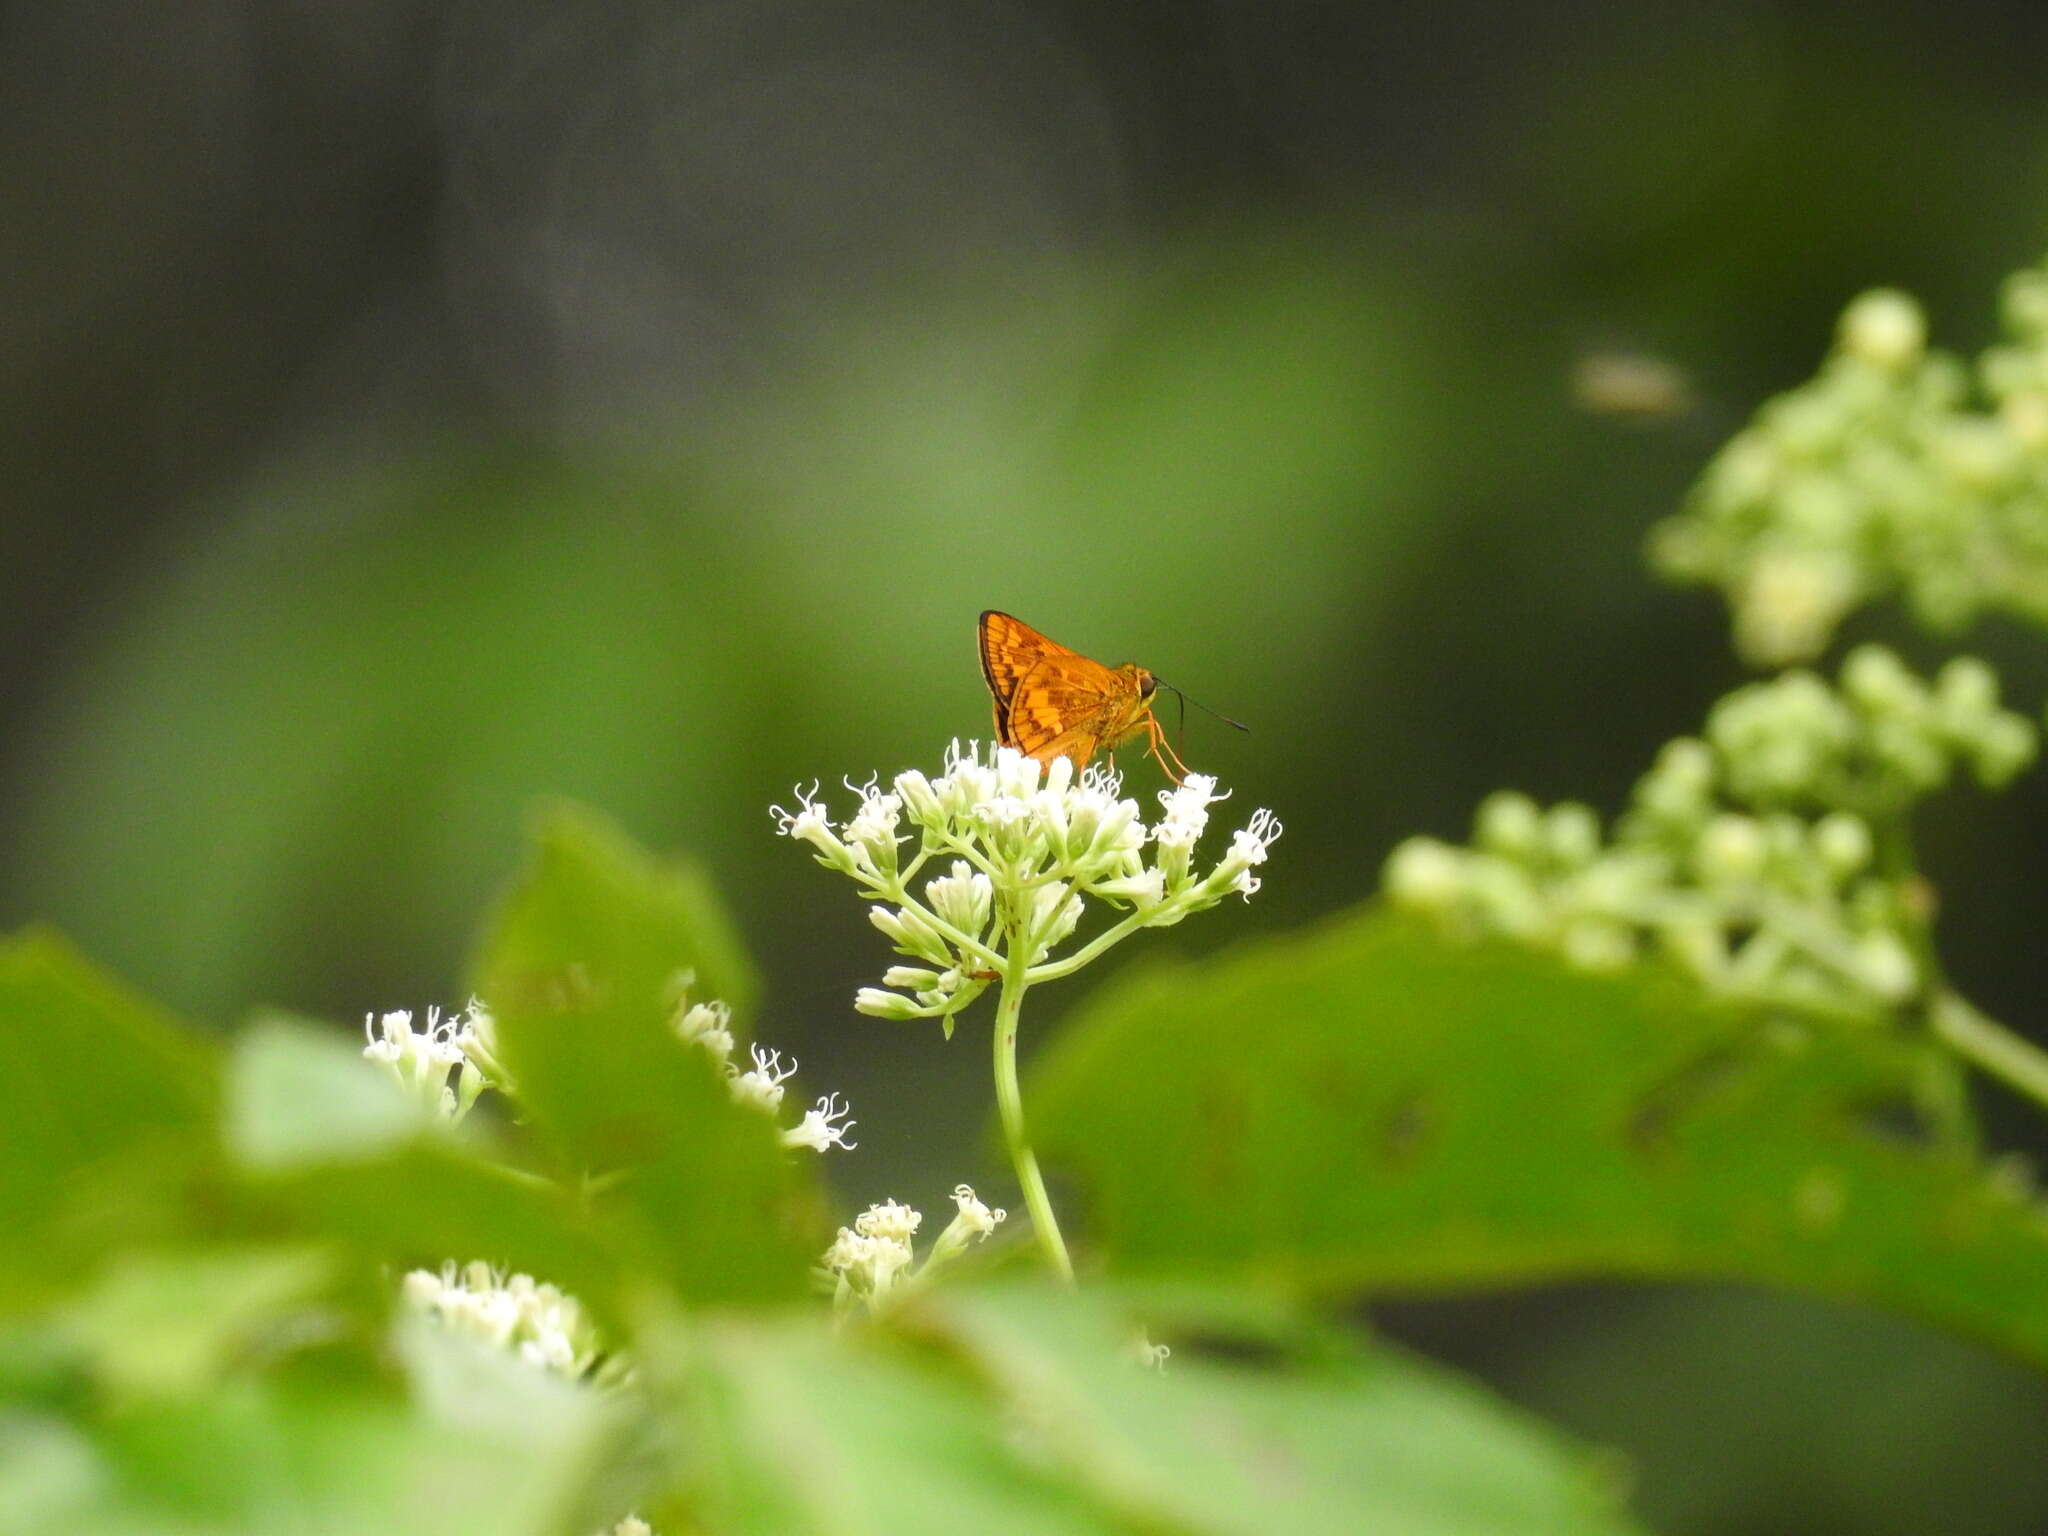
1049	701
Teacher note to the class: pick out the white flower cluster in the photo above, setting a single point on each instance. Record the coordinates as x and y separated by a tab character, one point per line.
874	1260
1885	472
709	1024
1751	857
423	1059
1002	858
544	1326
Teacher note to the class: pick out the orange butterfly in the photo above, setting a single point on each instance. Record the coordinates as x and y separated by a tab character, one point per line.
1052	702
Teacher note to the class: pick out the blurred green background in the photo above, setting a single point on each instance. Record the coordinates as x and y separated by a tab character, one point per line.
409	409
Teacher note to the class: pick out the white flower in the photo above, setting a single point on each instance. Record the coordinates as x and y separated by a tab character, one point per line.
820	1127
809	824
867	1264
537	1322
889	1219
761	1085
961	898
872	831
1187	809
708	1024
390	1037
1055	912
1248	846
973	1223
425	1060
1004	862
976	1217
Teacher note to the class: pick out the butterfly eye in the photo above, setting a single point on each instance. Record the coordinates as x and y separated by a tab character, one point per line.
1147	685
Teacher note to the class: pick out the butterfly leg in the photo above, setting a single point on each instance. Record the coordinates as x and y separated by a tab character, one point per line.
1161	749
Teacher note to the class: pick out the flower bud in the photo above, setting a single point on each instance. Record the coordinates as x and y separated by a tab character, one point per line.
1877	680
1885	329
2003	746
1843	842
2024	303
912	934
919	799
1731	850
1966	692
879	1004
1592	945
1885	966
1572	834
1147	888
1055	912
962	898
1508	824
1789	601
1424	873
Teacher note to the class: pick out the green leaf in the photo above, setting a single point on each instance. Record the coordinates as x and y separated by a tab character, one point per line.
793	1433
331	1149
580	971
322	1457
1021	1409
1258	1424
431	1202
93	1082
167	1323
1372	1108
594	910
300	1095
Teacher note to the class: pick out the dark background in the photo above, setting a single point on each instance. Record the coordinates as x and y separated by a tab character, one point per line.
407	410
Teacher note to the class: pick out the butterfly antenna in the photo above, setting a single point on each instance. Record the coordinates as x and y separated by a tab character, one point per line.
1185	701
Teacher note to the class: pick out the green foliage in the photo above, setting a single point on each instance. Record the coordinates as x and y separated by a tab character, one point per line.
1263	1423
241	1360
1019	1409
101	1089
286	1288
1372	1107
583	965
596	921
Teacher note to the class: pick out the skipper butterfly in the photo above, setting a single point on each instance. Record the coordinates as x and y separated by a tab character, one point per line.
1052	702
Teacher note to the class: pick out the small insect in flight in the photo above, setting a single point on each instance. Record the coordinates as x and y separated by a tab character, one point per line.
1052	702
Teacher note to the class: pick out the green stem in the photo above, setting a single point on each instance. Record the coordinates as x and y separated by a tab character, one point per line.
1053	970
1011	1105
1985	1043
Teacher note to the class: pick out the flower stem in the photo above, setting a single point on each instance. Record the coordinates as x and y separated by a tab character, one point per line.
1011	1105
1985	1043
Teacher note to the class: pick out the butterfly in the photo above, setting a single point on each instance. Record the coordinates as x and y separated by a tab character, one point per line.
1052	702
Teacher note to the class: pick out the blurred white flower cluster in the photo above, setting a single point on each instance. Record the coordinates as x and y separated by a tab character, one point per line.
1756	858
1895	468
541	1324
1003	857
447	1062
874	1260
450	1060
758	1085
